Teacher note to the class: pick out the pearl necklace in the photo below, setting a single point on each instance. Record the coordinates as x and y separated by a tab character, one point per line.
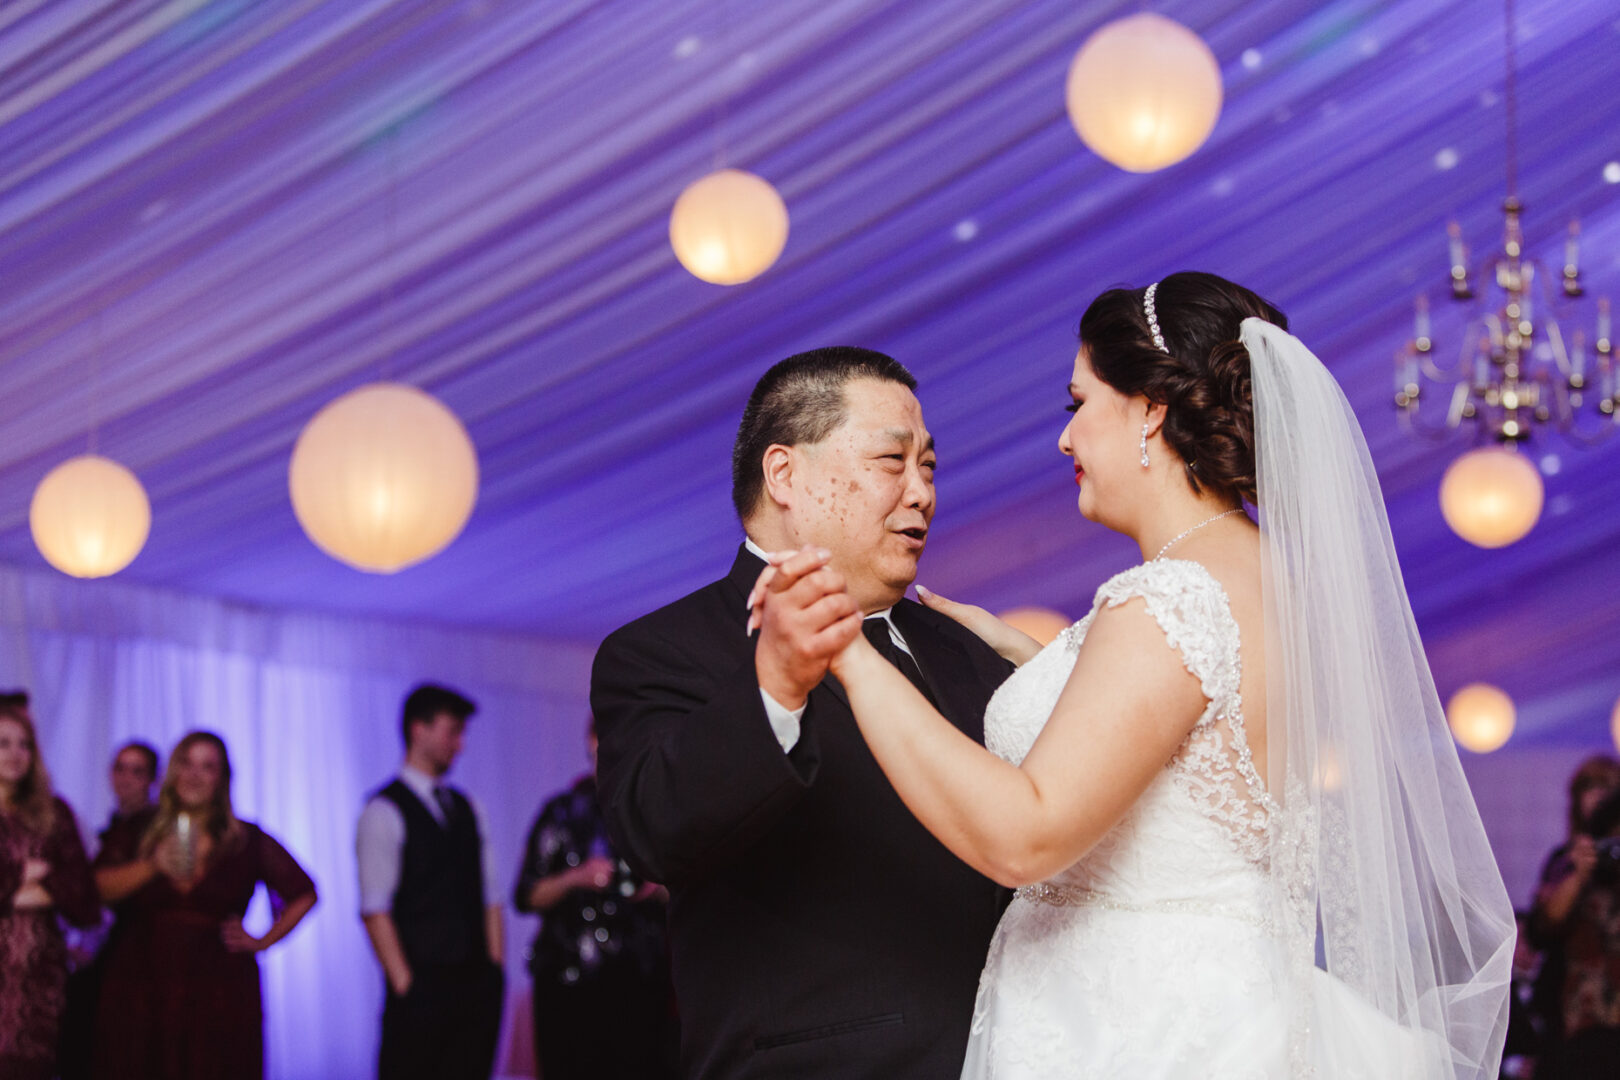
1194	529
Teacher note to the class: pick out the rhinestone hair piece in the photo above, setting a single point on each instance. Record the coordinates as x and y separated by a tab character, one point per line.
1153	317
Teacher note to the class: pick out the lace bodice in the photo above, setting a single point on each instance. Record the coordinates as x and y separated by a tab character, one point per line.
1197	837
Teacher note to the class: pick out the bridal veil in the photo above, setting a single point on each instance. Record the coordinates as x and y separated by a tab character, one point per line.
1381	872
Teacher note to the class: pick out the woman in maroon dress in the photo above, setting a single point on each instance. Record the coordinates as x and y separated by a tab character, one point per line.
180	1000
44	875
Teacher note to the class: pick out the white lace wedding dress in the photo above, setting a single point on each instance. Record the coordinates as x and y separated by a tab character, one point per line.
1153	956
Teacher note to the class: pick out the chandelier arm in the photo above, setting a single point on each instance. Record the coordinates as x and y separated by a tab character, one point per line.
1464	368
1435	373
1566	417
1555	343
1459	404
1411	421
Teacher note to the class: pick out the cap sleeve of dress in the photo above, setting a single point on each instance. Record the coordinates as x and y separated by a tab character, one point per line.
1191	608
280	872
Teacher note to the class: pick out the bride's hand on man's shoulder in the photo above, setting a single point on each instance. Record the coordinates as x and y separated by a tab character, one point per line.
1011	643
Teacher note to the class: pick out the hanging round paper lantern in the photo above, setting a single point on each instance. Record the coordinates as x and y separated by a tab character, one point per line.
383	477
728	227
1144	92
1491	497
90	517
1481	717
1614	725
1042	624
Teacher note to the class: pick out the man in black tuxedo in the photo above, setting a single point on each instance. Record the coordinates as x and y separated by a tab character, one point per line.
816	929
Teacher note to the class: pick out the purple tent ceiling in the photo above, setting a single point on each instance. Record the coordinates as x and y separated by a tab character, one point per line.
215	217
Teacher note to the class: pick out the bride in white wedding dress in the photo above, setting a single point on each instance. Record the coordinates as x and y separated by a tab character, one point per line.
1240	839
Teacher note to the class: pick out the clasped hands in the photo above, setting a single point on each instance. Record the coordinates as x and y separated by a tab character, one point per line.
809	625
806	619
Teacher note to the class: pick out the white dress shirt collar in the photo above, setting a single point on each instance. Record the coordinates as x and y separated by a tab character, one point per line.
422	785
761	553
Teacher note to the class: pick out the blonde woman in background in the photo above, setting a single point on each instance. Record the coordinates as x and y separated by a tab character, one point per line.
181	1000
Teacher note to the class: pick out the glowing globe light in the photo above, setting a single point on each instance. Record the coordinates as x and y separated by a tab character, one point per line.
1491	497
383	477
728	227
1481	717
1614	725
90	517
1144	92
1042	624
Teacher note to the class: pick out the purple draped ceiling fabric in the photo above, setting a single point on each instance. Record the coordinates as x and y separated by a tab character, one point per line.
200	194
217	216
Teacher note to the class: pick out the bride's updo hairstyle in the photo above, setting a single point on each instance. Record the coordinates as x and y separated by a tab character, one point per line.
1201	377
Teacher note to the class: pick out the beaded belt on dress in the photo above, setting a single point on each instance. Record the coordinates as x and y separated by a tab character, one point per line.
1045	892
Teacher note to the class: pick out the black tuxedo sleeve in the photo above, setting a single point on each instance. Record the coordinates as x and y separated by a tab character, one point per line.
689	771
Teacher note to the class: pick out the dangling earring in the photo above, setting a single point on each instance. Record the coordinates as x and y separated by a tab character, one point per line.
1144	446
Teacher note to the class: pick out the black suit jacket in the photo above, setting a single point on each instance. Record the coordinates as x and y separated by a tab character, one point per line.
816	929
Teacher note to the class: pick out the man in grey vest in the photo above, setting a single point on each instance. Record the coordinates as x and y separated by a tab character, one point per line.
428	896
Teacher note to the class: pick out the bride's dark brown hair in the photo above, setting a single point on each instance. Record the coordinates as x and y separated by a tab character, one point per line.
1203	382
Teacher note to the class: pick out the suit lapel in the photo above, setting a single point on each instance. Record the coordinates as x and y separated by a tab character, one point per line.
945	666
740	579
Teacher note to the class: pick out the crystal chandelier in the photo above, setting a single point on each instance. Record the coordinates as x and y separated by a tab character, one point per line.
1516	370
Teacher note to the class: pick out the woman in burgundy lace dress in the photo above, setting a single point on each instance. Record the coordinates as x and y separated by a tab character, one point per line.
44	876
180	1000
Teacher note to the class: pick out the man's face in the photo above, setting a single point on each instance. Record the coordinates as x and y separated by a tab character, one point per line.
866	491
131	779
440	740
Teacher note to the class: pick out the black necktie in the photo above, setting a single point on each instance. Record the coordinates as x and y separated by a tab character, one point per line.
876	630
447	805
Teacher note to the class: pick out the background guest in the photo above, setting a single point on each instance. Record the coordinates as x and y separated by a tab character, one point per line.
1576	920
132	774
1527	1012
602	999
427	896
44	876
180	996
16	703
134	771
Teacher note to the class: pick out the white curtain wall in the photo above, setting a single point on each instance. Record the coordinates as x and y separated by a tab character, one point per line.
309	706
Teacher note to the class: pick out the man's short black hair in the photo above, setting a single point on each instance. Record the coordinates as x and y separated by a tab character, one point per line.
428	701
800	401
148	754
